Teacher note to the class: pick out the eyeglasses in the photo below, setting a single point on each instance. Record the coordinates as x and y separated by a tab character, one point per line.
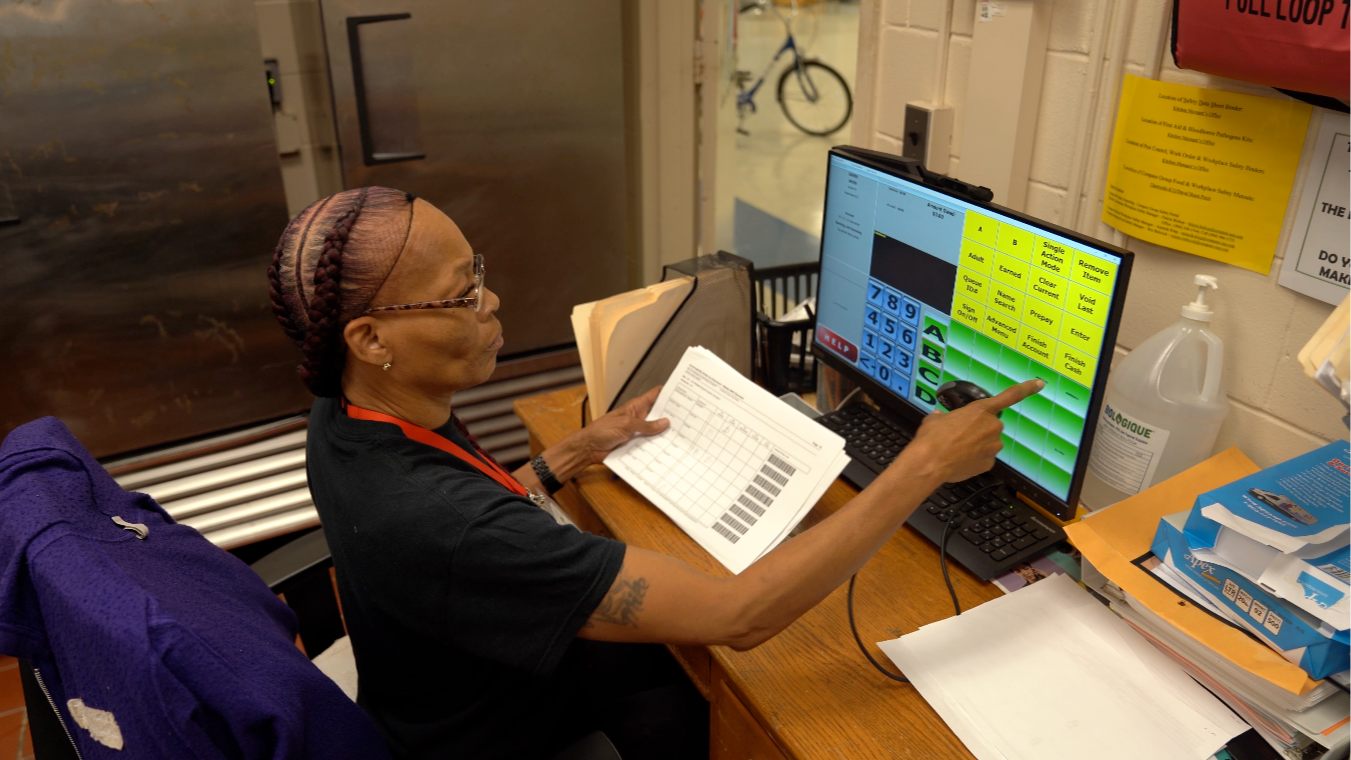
474	301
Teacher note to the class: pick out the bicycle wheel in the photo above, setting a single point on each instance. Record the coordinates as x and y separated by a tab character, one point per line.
815	98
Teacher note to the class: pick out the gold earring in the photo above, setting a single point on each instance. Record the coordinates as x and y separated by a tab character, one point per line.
386	367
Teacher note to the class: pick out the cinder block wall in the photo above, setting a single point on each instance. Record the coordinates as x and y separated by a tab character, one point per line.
1276	412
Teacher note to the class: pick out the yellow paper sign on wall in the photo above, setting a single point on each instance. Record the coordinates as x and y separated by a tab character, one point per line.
1203	171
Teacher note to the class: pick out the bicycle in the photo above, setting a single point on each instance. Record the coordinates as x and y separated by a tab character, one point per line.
817	101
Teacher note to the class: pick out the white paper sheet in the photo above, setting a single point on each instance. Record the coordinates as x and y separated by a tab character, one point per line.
738	468
1047	673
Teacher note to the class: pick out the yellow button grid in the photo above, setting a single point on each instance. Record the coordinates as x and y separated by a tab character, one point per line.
1037	296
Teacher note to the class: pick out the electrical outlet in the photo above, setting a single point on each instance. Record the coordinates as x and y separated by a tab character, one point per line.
928	135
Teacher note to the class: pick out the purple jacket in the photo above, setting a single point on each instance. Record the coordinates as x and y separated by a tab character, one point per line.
165	647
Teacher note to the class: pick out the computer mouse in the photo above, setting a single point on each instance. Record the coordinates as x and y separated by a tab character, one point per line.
955	394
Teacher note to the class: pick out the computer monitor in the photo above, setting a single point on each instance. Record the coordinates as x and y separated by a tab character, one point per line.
920	285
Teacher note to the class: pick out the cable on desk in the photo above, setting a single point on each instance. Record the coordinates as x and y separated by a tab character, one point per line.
957	518
849	605
955	521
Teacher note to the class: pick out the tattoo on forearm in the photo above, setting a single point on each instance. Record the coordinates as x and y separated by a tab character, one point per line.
622	604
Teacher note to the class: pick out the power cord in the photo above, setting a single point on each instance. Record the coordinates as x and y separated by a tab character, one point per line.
848	397
849	604
957	519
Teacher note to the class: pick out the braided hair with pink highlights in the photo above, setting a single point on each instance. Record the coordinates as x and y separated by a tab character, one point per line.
330	262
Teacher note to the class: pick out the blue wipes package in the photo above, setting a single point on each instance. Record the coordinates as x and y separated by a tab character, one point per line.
1292	505
1294	633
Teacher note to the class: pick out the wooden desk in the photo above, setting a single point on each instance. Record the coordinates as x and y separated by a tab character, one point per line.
808	692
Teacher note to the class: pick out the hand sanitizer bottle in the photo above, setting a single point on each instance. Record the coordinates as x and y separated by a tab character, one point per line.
1164	407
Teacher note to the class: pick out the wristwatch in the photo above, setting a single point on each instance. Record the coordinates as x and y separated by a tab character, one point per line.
546	476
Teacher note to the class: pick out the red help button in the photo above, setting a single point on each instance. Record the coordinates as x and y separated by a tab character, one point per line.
837	344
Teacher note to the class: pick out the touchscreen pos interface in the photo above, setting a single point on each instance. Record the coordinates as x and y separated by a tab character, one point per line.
920	286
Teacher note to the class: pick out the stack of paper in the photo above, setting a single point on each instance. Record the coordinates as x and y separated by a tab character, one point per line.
1048	673
738	469
1287	721
614	334
1298	716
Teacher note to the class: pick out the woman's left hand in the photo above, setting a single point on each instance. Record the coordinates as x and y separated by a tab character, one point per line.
619	427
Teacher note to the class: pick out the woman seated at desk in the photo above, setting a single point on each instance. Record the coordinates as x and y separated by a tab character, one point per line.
462	596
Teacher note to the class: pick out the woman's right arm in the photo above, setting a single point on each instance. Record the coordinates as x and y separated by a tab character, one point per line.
659	599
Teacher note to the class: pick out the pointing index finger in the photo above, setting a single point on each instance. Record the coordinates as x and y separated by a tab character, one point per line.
1013	395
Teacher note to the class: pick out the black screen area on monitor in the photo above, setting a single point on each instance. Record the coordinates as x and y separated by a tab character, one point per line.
919	287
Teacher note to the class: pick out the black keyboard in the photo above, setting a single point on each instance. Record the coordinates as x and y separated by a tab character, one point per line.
1000	530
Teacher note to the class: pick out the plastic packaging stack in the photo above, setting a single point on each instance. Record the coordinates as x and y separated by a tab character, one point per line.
1269	553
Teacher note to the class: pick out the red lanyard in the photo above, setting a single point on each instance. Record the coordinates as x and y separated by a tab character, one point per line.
423	435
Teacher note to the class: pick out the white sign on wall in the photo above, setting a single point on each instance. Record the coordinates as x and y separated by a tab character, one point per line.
1318	253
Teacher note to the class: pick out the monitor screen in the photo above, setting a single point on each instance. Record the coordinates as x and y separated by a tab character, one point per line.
919	287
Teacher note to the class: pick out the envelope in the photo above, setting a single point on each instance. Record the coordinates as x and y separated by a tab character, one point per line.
1112	538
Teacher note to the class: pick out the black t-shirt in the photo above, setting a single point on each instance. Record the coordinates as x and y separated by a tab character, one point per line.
461	597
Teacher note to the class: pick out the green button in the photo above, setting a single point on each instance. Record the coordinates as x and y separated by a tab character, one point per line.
1010	271
1048	376
1006	300
1060	452
1074	397
980	228
1065	423
1076	365
1054	257
962	335
1087	303
1042	317
982	375
967	311
1014	364
935	330
1096	273
973	285
930	374
976	256
1037	345
1016	242
1001	329
1080	334
931	351
926	394
1047	287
